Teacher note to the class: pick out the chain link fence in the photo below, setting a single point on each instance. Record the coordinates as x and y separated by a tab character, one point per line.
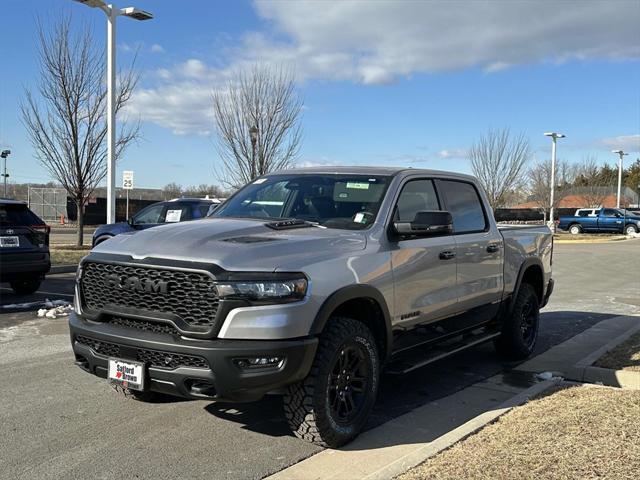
48	203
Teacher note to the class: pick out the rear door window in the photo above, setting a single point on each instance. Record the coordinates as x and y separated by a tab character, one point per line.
463	202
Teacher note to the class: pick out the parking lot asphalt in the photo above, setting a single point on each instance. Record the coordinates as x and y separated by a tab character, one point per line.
59	422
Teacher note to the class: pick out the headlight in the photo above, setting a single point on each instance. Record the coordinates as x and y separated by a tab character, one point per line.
269	291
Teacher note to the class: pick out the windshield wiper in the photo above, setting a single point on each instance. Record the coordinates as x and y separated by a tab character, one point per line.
289	223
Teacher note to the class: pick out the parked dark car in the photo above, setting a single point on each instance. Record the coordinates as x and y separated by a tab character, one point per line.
609	220
176	210
24	247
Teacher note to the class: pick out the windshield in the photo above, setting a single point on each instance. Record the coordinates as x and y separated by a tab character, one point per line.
334	201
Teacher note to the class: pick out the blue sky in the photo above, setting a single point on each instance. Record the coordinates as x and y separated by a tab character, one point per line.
384	83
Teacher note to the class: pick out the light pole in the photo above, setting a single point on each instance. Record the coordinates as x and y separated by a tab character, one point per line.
253	133
621	154
554	136
112	12
4	155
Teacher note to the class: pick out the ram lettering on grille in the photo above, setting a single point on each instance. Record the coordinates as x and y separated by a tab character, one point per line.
190	295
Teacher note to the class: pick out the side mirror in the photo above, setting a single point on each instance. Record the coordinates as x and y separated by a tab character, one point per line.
131	221
428	223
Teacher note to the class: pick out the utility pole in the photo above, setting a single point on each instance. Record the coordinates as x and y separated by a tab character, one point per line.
554	136
621	154
4	155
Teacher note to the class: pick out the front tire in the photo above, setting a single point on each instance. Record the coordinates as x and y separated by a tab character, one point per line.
520	330
575	229
630	230
26	286
331	406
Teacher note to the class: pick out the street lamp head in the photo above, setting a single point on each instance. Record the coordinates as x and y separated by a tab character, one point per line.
619	152
92	3
136	13
554	135
5	153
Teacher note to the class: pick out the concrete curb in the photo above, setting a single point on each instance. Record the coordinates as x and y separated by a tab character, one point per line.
463	431
584	371
63	269
406	441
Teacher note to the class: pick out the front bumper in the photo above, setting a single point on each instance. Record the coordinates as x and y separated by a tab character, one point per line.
17	265
221	378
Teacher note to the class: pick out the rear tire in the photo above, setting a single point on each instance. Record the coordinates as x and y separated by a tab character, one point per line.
575	229
331	406
520	330
26	286
630	229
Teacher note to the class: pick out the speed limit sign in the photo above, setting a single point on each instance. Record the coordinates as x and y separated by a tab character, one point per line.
127	179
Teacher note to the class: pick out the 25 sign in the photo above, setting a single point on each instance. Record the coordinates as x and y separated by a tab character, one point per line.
127	179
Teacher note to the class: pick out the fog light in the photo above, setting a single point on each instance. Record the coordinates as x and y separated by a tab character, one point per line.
258	362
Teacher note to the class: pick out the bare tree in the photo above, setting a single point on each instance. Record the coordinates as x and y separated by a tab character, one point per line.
498	161
66	124
540	184
257	118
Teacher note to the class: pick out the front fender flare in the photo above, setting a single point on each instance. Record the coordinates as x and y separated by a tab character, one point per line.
353	292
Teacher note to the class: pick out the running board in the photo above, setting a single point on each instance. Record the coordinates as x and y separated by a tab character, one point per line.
419	358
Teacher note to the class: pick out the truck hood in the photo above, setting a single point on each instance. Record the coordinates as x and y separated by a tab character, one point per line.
236	244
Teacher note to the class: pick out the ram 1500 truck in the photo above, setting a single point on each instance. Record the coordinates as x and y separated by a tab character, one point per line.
310	283
611	220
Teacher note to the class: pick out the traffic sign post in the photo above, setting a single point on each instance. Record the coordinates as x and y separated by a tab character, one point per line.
127	184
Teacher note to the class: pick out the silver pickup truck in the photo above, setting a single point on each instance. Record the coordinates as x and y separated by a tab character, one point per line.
311	283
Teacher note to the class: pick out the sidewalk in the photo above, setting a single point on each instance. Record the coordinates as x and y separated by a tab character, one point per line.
396	446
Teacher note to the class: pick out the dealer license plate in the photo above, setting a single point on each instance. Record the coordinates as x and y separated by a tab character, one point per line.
9	241
126	374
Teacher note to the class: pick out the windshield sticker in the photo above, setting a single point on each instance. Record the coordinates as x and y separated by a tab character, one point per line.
358	185
259	181
359	218
173	216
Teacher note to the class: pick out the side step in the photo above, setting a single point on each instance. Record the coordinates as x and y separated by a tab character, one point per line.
418	358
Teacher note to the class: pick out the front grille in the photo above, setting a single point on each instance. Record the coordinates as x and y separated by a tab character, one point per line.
145	325
191	296
154	358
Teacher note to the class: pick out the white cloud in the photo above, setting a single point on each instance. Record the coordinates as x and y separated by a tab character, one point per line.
453	153
628	143
379	42
156	48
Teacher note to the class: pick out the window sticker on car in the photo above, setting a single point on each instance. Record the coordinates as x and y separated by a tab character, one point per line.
358	185
259	181
359	218
173	216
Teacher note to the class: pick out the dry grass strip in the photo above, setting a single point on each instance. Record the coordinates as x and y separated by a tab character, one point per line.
625	356
580	432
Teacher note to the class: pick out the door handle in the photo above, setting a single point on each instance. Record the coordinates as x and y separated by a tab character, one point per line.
493	248
447	255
